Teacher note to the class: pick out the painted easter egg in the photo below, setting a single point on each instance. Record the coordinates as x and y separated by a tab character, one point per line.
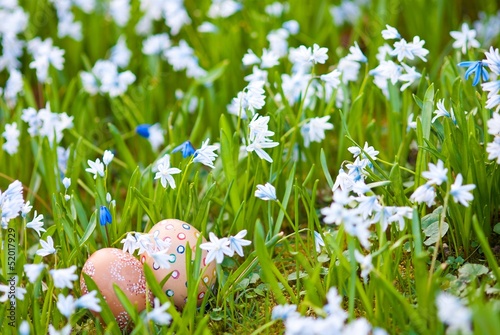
180	234
110	266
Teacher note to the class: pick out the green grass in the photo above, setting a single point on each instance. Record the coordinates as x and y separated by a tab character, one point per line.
281	265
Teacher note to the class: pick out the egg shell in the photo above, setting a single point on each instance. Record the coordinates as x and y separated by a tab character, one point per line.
110	266
179	234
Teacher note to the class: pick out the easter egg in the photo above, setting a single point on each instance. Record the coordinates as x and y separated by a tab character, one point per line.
110	266
180	234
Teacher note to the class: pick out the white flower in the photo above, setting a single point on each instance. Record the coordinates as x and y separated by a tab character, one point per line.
13	87
403	50
332	78
217	248
258	137
161	258
207	27
11	135
96	168
465	39
269	59
66	330
223	8
156	44
437	173
367	151
26	209
292	26
390	33
318	55
165	173
266	192
107	157
355	54
45	54
206	155
129	243
283	312
493	149
89	301
318	241
365	262
494	124
66	182
159	315
461	193
66	305
236	243
409	77
7	290
387	70
24	328
64	277
333	307
250	58
33	271
417	48
11	202
452	312
120	11
441	111
36	224
144	243
47	247
424	193
120	54
182	57
314	129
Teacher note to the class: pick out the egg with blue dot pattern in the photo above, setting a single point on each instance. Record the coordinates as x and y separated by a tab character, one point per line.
181	235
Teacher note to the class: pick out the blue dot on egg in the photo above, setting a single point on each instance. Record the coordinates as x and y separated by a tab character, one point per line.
181	249
186	226
173	258
170	293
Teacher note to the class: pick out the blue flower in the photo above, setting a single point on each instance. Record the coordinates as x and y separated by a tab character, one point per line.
475	67
143	130
105	216
186	148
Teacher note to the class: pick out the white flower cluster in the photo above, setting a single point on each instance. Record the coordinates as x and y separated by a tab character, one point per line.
45	54
218	247
105	79
347	12
437	175
333	323
258	137
352	204
66	25
493	87
389	70
13	21
173	12
151	244
47	124
11	202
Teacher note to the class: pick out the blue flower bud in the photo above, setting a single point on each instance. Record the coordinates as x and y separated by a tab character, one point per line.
186	148
105	216
143	130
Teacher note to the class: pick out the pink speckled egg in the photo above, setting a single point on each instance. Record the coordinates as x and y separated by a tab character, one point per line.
179	234
110	266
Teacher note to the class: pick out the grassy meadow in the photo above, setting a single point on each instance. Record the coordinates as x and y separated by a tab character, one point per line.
356	142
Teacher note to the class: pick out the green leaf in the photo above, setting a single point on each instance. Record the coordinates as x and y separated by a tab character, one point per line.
496	228
432	232
472	271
